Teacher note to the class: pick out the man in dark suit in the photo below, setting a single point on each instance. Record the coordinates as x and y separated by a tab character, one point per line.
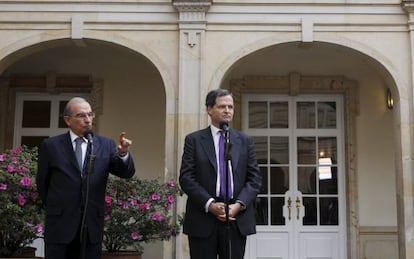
209	228
65	183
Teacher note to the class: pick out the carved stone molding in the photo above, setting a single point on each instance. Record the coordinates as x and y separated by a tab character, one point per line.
192	6
378	242
408	5
192	11
192	19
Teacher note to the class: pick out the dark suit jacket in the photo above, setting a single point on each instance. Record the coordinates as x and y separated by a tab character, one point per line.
62	188
198	177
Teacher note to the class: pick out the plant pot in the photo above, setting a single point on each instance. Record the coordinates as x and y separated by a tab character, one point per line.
28	252
121	255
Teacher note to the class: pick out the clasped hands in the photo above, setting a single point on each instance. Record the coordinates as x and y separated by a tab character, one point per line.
218	209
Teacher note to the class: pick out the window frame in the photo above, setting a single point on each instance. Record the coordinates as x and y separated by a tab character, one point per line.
54	129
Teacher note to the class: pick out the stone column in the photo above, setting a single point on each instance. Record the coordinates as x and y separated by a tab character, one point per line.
191	83
405	167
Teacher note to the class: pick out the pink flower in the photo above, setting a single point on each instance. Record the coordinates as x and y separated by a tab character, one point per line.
17	150
21	199
157	216
170	198
14	160
134	202
3	157
25	181
134	235
39	228
155	197
144	206
108	199
3	186
10	168
125	205
171	183
22	169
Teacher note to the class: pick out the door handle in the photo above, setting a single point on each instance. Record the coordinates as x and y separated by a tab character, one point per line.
290	207
297	207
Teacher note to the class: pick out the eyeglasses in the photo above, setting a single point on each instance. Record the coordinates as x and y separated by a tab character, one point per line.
83	115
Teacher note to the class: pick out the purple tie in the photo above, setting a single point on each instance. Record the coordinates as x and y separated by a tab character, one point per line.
223	169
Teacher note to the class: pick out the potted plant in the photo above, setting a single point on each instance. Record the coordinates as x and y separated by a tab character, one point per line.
137	212
20	210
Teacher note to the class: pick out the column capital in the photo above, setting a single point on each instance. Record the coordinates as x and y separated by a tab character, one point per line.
192	12
408	5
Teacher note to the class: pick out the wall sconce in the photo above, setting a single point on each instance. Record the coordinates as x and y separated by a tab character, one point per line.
390	100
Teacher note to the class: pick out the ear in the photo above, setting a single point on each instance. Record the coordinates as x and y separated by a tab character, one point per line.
208	110
67	120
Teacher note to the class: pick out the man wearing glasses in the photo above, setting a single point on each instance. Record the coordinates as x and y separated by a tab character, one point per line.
73	169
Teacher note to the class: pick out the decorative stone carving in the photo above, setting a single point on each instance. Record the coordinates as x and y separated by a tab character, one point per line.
192	19
408	5
192	12
295	84
192	6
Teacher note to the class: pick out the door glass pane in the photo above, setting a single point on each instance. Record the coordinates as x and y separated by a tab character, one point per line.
36	114
279	180
261	147
258	115
32	141
306	150
315	161
310	218
305	115
327	148
279	117
326	115
279	150
62	105
277	211
329	184
307	180
261	211
264	188
329	211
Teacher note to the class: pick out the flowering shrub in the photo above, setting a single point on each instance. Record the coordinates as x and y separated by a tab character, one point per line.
138	211
20	206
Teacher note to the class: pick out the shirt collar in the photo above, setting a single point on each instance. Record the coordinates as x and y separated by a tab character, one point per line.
73	136
214	130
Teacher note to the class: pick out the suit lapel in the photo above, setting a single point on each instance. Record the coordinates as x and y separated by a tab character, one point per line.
67	149
208	145
96	145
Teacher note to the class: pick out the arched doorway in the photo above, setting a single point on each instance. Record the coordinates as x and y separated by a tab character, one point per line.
290	76
122	84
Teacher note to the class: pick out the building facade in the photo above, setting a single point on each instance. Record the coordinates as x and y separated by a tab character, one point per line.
325	88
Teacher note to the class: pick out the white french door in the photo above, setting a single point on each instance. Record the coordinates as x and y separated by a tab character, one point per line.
300	210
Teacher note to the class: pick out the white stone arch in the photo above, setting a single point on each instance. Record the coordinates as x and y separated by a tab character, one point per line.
400	84
144	50
386	63
7	57
25	46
